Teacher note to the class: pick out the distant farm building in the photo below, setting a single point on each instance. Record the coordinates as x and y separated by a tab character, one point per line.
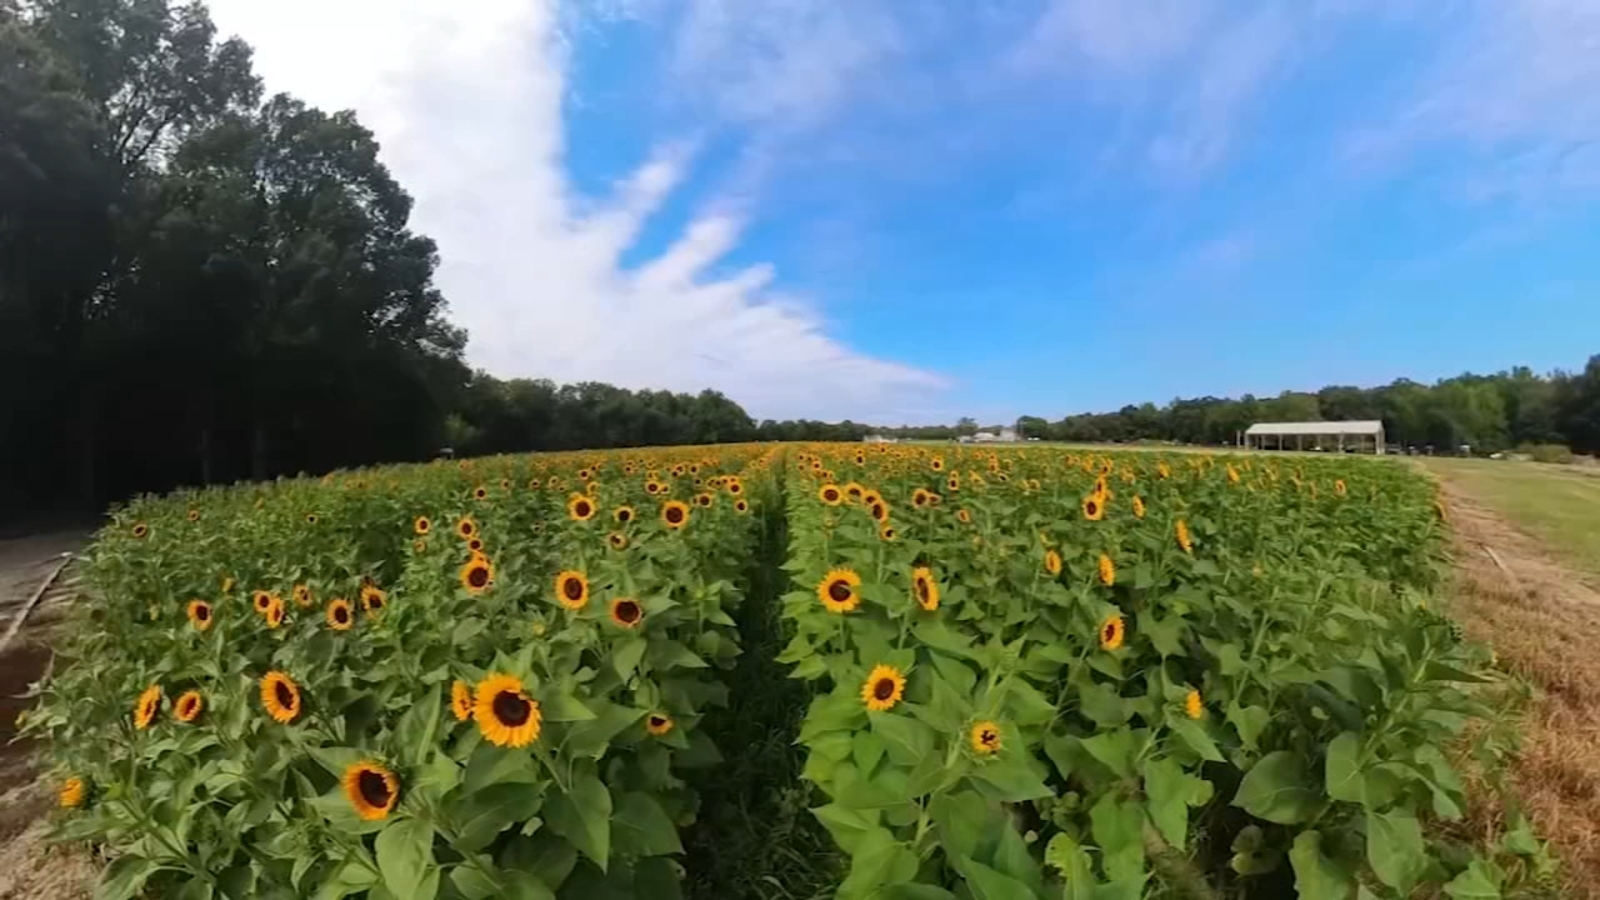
1358	436
1005	436
878	439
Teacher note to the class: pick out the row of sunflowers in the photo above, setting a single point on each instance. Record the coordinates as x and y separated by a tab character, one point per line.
1042	672
469	680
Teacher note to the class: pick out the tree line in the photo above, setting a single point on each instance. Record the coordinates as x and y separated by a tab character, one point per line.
1489	413
202	282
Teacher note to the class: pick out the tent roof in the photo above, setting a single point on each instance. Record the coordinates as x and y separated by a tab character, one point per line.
1318	428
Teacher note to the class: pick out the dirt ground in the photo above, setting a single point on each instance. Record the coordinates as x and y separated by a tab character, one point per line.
30	870
1543	620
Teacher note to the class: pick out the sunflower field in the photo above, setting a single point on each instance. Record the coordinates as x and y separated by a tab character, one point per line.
1031	672
1048	674
465	680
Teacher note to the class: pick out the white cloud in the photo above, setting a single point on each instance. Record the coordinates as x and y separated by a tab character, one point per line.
466	99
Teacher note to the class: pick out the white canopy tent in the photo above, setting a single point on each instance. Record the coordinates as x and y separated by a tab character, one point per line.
1315	435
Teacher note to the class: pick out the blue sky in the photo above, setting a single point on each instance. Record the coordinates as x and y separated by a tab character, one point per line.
909	212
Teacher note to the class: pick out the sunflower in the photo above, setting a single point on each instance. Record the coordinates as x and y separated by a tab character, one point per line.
371	789
533	484
964	516
937	463
140	529
1138	507
830	494
311	518
675	514
652	487
626	612
274	613
199	613
188	707
72	793
925	588
144	711
1233	474
580	508
194	515
880	511
584	474
506	715
1192	705
741	507
1164	470
704	500
261	600
373	599
883	688
871	498
1339	486
1111	632
1094	507
340	615
467	528
475	545
919	498
281	696
302	596
837	590
461	700
658	723
422	525
1108	571
624	514
886	532
735	487
227	583
1184	541
419	546
572	589
985	737
477	574
853	492
1052	562
480	493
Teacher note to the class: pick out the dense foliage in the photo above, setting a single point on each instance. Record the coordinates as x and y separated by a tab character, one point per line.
1051	675
469	681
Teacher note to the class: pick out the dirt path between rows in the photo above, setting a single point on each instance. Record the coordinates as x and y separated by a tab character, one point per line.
1543	621
29	870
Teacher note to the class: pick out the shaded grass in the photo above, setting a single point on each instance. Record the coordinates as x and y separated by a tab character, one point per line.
1560	505
756	837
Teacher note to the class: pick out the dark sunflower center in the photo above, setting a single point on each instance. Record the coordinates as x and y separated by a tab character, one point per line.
839	591
628	612
988	737
878	511
466	530
1109	632
884	689
375	602
478	576
674	515
624	515
341	615
1092	507
284	695
616	540
511	708
922	589
831	495
202	613
572	589
582	508
373	788
658	721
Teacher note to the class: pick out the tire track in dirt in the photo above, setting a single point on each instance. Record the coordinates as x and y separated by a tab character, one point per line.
1543	621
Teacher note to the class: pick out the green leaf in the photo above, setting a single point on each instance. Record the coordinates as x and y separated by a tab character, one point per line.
480	817
471	883
625	656
866	749
1317	877
1344	768
1395	849
1065	855
666	655
124	878
641	827
1194	734
907	739
915	892
418	727
987	884
335	760
879	859
557	704
1170	792
963	820
1116	749
405	852
591	738
351	878
1118	825
1011	778
1478	882
582	814
1278	789
1250	722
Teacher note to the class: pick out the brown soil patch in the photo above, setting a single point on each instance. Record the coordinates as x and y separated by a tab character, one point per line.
1544	625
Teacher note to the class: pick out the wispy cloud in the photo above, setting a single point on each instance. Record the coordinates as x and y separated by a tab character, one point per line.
466	99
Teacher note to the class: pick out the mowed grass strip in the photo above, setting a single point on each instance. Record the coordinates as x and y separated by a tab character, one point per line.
1558	505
